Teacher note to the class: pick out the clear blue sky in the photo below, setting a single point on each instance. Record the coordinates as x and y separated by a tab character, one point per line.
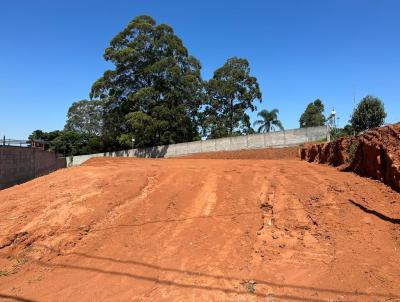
52	51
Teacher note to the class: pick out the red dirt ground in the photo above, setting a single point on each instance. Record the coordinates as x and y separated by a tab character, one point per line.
120	229
375	154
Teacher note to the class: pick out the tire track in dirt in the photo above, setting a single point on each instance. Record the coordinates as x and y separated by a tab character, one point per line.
292	235
199	212
182	210
230	187
325	207
203	230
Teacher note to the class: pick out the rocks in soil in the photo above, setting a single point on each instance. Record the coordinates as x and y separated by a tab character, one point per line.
15	238
265	206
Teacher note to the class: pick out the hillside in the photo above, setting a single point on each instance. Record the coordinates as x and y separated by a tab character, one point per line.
123	229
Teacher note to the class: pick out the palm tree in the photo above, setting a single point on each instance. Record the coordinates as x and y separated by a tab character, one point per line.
269	121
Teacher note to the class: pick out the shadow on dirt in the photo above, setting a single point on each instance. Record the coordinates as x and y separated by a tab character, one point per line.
285	297
375	213
16	298
300	293
309	293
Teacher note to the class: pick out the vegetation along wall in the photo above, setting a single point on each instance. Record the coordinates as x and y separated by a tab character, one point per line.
287	138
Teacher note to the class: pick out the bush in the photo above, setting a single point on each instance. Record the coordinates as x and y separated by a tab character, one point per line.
369	113
352	149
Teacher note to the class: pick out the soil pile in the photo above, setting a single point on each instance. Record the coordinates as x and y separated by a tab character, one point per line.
375	154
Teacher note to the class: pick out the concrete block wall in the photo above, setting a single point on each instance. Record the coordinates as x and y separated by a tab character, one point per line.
193	147
20	164
238	143
287	138
222	144
255	141
207	146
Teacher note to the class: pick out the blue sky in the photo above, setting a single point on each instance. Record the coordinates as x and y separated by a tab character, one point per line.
52	51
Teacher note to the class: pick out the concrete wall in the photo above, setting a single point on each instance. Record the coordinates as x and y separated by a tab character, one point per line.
19	164
287	138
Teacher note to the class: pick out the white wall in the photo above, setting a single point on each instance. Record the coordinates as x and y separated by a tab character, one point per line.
287	138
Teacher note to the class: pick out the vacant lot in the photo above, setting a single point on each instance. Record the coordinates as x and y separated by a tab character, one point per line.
200	230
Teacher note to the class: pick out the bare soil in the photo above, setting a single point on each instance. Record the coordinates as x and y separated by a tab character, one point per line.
375	154
120	229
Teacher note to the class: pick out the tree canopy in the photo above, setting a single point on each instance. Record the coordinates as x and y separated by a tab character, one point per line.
85	117
155	91
155	95
230	92
313	115
42	135
69	142
369	113
269	121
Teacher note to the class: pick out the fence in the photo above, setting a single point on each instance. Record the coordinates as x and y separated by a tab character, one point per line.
287	138
14	142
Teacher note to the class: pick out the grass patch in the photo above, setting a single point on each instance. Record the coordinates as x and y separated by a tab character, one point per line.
351	150
250	286
14	269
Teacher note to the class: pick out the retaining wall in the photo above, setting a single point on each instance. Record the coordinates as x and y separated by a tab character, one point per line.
20	164
279	139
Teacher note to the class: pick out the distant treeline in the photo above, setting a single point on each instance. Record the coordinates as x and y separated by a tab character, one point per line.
155	95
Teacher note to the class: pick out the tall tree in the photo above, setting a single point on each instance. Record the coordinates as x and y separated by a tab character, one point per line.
369	113
230	92
313	115
155	79
85	117
269	121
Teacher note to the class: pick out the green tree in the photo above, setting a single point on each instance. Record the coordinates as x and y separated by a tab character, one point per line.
341	132
269	121
37	134
69	142
85	117
313	115
154	79
230	93
369	113
46	136
140	125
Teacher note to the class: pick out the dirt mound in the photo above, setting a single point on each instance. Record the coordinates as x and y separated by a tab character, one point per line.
375	154
123	229
267	153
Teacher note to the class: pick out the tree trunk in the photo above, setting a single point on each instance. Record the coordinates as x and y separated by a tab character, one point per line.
231	118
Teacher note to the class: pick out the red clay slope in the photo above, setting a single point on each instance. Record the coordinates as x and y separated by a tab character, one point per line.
375	154
122	229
